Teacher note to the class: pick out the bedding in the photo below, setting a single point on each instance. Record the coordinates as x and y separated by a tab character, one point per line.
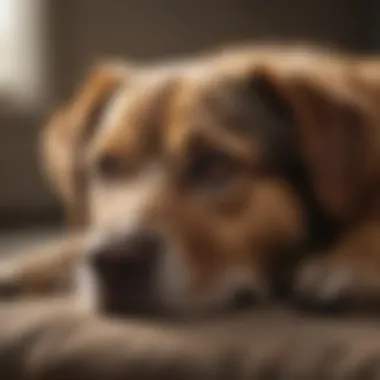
47	339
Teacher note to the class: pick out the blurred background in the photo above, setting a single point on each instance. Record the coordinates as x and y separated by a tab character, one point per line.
46	47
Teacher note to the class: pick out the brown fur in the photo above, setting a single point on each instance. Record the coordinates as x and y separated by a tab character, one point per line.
332	100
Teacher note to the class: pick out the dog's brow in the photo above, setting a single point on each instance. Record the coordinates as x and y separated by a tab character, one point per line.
228	141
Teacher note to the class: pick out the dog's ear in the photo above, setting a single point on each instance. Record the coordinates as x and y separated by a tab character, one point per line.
333	130
69	129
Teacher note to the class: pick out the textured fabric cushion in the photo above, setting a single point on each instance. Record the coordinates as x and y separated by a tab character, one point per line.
48	340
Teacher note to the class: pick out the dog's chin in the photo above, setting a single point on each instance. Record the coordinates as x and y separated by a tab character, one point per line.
128	310
125	299
142	304
116	298
147	306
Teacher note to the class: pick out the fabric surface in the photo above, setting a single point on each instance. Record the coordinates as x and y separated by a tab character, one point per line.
48	340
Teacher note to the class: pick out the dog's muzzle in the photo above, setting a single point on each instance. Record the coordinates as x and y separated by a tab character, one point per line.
126	270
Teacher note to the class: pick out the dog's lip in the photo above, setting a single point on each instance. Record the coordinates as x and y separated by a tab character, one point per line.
121	306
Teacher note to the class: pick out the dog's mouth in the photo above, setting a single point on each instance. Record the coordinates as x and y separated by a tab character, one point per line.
130	297
117	305
131	280
127	295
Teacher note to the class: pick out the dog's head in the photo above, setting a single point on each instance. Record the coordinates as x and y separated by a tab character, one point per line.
194	178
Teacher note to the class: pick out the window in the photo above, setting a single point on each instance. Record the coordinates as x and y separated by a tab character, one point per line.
21	50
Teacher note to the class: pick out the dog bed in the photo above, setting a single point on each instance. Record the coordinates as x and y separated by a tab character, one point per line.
47	340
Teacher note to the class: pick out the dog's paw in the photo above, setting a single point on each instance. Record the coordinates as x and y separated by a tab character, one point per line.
327	284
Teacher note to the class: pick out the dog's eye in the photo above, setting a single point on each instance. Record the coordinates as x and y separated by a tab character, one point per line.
109	167
211	169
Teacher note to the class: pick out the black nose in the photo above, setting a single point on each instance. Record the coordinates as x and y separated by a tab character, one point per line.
128	259
244	298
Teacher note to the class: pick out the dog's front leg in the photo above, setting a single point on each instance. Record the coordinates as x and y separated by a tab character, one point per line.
347	275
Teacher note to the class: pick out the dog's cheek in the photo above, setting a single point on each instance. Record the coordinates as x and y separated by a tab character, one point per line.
195	253
274	221
175	277
214	253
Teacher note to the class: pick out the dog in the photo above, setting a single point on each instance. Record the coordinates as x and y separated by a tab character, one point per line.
202	184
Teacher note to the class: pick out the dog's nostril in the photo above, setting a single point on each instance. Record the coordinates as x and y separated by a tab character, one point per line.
132	254
143	245
244	298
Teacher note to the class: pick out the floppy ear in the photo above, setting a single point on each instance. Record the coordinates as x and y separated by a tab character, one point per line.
333	129
66	133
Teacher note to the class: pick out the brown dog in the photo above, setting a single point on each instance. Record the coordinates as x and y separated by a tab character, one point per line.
195	181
